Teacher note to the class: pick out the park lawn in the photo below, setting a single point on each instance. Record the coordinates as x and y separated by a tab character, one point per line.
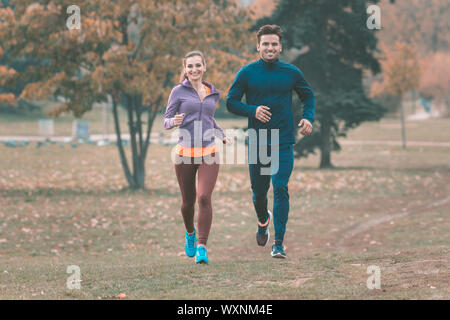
388	129
62	206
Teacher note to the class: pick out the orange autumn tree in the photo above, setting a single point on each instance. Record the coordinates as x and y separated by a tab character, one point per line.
423	24
128	50
401	70
401	73
6	74
435	79
261	8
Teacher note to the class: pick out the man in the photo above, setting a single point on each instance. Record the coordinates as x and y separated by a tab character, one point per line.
268	84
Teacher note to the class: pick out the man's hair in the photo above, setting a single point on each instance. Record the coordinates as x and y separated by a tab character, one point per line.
269	29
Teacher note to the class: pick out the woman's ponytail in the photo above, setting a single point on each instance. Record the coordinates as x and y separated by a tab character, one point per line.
182	75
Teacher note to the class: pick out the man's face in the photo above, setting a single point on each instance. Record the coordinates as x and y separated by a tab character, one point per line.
269	47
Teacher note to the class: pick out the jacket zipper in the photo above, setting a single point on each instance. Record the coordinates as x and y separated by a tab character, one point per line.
201	102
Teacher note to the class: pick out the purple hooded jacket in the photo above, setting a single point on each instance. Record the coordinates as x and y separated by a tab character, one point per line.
198	126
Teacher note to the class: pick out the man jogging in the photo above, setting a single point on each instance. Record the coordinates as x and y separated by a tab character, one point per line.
268	84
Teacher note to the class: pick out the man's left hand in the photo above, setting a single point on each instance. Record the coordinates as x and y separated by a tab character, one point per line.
307	127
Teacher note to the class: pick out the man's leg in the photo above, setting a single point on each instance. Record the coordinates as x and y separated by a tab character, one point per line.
260	186
280	180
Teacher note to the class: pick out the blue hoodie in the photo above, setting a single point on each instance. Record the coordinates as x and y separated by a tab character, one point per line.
271	84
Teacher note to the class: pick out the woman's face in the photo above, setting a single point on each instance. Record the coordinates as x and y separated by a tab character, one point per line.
194	68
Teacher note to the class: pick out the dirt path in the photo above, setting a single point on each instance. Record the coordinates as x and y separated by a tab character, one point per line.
362	227
395	143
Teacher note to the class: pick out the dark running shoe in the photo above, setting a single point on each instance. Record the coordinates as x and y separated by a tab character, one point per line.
278	251
263	235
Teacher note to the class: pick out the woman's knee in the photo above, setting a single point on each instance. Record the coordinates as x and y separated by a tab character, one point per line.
204	200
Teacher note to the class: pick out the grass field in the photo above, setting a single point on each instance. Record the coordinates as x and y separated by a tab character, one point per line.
381	206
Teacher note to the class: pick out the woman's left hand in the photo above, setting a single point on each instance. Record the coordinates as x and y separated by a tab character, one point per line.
225	140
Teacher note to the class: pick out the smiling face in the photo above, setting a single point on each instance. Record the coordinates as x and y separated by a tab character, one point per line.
269	47
194	68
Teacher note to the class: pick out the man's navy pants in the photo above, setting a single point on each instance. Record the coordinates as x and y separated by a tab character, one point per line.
279	174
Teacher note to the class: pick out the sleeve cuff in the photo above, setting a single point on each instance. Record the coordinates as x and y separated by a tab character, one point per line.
253	111
310	120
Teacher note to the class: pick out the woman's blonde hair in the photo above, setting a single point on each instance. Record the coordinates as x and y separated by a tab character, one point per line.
188	55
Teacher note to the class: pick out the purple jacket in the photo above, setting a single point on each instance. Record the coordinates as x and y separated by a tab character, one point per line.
198	126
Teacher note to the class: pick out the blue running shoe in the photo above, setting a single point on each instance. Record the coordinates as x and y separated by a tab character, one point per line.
263	235
201	256
278	251
190	244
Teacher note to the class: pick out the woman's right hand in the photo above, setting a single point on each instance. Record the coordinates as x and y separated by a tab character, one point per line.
178	119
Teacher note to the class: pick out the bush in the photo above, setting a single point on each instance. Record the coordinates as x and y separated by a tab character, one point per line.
22	107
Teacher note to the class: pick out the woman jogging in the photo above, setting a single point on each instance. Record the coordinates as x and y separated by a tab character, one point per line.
191	107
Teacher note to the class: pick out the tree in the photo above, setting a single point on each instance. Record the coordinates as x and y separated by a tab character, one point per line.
421	24
435	78
335	48
401	70
401	73
8	88
128	50
261	8
6	73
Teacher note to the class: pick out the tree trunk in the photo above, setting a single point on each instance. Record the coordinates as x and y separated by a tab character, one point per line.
402	117
325	124
123	158
325	145
139	146
134	109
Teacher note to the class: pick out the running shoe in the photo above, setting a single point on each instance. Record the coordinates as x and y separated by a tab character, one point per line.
263	235
190	244
278	251
201	256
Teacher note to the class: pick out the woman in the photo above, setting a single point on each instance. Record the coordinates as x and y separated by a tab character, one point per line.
191	107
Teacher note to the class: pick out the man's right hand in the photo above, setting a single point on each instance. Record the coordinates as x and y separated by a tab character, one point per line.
178	119
263	114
